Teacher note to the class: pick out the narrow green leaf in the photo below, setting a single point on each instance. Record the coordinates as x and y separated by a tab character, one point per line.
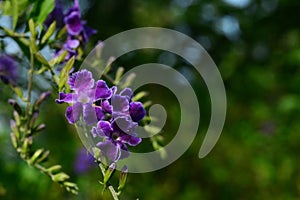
152	129
41	59
64	74
31	28
18	91
119	74
33	46
15	12
45	8
129	79
49	32
139	95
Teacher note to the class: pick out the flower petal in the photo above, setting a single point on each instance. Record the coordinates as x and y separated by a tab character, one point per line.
99	113
124	151
89	114
102	90
109	150
104	128
65	98
73	23
119	104
81	81
73	113
124	124
106	107
131	140
127	92
72	44
137	111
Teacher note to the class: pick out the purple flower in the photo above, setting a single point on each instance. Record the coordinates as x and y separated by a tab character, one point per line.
117	135
70	46
83	99
8	69
119	131
115	114
56	15
73	20
78	31
75	26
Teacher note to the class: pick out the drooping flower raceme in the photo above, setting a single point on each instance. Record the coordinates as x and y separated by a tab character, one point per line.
8	69
113	117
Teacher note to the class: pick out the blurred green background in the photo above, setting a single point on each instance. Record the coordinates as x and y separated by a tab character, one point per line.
256	46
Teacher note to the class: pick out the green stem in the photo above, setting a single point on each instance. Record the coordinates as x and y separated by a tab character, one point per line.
31	71
110	187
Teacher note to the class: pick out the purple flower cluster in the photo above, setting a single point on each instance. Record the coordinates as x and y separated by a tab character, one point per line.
113	116
78	31
8	69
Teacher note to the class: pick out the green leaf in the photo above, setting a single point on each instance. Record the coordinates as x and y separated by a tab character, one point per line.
58	59
139	95
31	28
18	91
41	59
15	14
49	32
14	8
119	74
41	10
33	46
64	74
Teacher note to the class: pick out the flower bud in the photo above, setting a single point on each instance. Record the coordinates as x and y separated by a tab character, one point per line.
42	98
33	118
123	178
109	172
15	105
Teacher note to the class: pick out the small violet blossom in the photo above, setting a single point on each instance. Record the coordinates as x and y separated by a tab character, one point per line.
113	116
82	101
8	69
78	32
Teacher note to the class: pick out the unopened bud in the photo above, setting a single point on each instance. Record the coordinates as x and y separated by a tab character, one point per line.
123	178
40	128
42	98
15	105
109	172
33	118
